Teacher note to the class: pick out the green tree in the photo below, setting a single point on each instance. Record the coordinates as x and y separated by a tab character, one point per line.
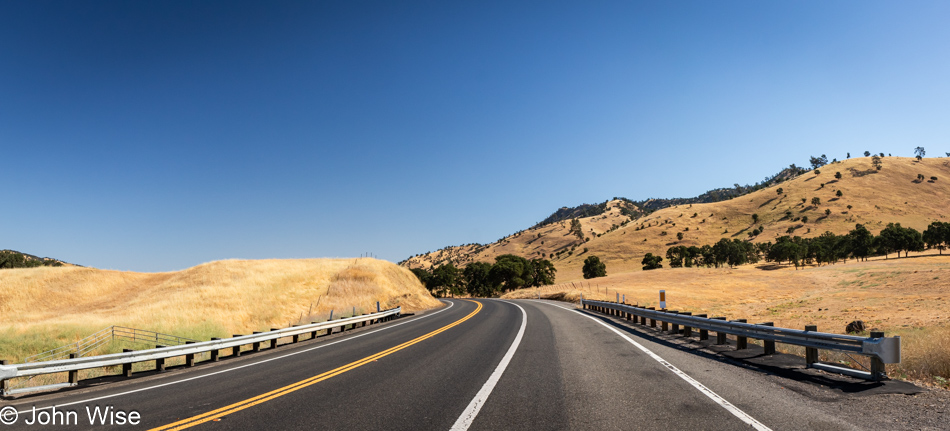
755	218
779	191
511	272
544	272
920	153
445	280
861	242
867	153
576	228
937	235
837	175
651	262
425	277
876	162
815	201
476	277
839	194
594	268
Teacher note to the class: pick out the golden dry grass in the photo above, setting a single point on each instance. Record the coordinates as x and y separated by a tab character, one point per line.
909	297
877	198
46	307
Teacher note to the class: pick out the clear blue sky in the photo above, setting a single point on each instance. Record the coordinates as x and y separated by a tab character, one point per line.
154	136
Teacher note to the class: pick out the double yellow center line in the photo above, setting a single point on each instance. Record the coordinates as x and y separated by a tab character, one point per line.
241	405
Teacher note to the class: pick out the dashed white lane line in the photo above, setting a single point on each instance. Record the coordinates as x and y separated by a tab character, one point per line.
743	416
468	416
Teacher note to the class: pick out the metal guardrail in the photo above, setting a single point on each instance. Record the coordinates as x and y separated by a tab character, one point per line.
159	354
880	349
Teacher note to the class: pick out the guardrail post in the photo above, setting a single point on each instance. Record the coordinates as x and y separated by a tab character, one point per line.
74	374
236	350
215	353
675	327
257	344
664	326
687	330
160	362
720	336
4	384
652	320
127	368
741	342
313	334
811	353
190	358
273	341
878	372
631	316
703	334
768	346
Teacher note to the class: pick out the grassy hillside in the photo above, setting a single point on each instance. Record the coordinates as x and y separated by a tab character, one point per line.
47	307
892	194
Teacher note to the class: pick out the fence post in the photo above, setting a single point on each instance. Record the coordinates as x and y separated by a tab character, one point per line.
703	334
687	330
190	358
878	371
74	374
741	342
811	353
377	306
160	362
720	336
768	346
127	368
215	353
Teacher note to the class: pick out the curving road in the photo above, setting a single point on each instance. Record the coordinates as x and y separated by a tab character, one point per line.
479	365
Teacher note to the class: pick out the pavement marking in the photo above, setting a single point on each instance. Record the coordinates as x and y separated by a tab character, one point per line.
86	401
468	416
743	416
250	402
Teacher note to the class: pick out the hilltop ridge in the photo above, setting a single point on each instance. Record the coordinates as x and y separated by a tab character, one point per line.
872	197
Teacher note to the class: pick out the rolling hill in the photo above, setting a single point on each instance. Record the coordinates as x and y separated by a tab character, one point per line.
624	231
45	307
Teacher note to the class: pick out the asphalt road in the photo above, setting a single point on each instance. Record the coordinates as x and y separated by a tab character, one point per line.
480	365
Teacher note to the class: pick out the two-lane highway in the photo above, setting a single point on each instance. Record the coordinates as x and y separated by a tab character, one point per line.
474	364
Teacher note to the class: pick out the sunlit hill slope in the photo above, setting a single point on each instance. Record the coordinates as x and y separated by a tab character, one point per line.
43	307
893	194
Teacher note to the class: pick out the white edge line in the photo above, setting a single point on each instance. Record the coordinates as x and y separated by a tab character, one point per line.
745	417
468	416
238	367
